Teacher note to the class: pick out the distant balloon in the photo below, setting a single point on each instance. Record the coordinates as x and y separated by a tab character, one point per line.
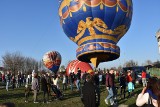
52	60
75	64
158	39
96	26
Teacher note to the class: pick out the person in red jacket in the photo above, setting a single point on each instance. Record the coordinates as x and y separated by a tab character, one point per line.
130	84
144	81
3	78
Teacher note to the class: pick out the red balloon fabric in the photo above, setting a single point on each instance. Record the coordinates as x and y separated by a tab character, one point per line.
75	64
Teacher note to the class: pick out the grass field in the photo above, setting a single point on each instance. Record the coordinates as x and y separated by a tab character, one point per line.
70	99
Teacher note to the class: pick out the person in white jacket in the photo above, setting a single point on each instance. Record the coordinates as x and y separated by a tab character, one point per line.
150	95
56	81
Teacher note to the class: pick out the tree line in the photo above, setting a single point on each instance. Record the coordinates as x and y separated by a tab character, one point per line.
16	62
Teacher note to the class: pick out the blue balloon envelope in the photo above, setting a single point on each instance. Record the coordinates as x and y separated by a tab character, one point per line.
96	26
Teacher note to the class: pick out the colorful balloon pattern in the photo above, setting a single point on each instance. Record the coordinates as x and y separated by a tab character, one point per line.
52	60
96	26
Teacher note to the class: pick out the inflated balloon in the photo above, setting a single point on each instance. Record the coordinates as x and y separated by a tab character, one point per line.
52	60
83	66
96	26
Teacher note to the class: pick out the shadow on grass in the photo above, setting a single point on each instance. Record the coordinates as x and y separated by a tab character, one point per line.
11	96
71	95
133	97
74	94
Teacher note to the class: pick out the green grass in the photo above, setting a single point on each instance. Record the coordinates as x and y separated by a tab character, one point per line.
70	99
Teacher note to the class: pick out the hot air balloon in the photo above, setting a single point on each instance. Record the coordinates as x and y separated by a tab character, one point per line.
96	26
158	39
75	64
52	60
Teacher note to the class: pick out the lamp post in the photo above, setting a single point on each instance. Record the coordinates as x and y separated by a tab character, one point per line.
158	39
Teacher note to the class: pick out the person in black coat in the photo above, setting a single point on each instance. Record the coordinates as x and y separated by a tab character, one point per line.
90	94
123	86
44	88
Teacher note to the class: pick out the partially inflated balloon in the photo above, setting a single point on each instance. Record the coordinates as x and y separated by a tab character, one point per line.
52	60
83	66
96	26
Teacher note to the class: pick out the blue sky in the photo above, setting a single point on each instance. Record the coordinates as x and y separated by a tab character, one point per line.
32	27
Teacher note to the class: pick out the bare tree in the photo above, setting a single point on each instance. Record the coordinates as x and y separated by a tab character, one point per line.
157	64
119	68
30	64
13	61
148	62
41	66
18	63
130	63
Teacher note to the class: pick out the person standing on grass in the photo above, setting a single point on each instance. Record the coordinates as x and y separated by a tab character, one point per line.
84	77
27	92
78	78
96	79
71	80
90	95
150	95
110	87
17	81
130	84
35	87
56	81
44	88
48	79
123	85
133	75
64	82
13	82
28	79
3	77
144	81
7	80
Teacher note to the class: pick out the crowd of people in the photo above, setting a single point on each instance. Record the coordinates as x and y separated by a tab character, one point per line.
48	83
88	85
